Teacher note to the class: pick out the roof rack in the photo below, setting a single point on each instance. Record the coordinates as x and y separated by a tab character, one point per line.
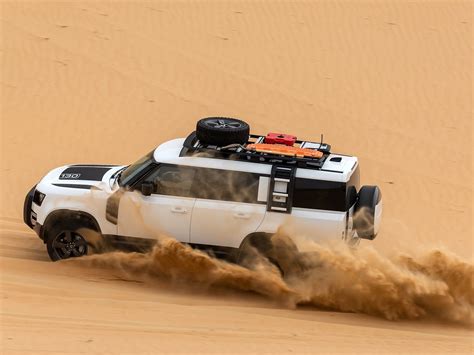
192	146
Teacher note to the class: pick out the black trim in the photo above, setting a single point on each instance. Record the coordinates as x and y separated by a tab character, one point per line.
331	171
136	181
320	195
118	172
144	244
188	142
85	220
27	207
219	252
281	172
38	228
75	186
127	179
129	243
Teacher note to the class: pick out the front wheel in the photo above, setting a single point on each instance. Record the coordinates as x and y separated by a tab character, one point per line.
65	244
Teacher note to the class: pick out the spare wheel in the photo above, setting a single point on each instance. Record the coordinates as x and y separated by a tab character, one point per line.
222	131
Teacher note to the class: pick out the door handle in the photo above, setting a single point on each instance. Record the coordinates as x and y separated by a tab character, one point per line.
241	215
179	210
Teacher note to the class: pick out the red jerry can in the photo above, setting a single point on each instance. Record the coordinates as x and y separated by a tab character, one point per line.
280	138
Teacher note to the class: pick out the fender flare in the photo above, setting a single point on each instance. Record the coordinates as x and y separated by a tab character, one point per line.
64	214
246	240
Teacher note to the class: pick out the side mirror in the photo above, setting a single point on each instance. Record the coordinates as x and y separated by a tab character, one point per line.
147	188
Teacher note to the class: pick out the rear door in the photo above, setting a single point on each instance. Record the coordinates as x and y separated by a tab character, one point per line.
319	208
312	208
227	207
167	211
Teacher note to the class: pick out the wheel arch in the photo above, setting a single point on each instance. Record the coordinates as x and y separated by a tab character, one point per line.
62	215
253	235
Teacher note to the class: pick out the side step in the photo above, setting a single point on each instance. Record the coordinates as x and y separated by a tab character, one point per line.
280	192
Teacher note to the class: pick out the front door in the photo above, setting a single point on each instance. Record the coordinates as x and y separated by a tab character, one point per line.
166	212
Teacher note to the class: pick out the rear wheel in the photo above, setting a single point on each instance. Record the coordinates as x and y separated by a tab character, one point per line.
222	131
364	219
279	250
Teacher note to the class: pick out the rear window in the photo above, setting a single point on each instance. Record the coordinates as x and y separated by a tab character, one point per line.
321	195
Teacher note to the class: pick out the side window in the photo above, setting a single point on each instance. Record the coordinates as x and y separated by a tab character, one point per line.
172	180
318	194
225	185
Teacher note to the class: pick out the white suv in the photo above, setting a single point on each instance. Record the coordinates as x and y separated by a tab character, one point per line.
220	189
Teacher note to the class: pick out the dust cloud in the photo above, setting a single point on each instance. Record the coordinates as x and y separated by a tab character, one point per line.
433	284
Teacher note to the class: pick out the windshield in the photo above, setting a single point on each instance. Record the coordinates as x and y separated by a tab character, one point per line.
136	169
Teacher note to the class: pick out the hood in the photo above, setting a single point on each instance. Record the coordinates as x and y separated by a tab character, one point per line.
81	176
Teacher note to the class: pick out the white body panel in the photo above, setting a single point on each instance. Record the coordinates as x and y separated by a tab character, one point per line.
316	225
224	223
154	216
92	201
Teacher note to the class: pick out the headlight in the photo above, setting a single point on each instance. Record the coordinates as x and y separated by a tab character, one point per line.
38	197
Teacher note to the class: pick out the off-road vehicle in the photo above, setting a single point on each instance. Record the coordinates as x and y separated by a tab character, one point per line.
220	189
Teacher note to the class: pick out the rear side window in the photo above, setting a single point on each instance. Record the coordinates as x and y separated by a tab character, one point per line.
321	195
226	185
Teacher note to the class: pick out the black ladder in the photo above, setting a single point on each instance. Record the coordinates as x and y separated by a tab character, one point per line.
280	191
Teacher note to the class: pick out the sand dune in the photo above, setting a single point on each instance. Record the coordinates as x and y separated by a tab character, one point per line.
105	82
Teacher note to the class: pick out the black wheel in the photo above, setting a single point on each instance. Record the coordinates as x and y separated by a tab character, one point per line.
222	131
279	250
65	244
257	246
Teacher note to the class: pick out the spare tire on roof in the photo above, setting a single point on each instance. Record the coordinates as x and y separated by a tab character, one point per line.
222	131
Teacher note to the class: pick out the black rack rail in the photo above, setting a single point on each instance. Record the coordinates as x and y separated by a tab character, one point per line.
192	146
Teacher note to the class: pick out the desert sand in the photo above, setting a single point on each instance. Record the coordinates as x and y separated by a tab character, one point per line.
105	82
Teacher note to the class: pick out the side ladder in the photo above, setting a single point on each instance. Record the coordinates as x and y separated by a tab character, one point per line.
280	192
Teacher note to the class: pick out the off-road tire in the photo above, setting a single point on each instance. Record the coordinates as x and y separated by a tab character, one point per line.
368	198
59	235
279	250
222	131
